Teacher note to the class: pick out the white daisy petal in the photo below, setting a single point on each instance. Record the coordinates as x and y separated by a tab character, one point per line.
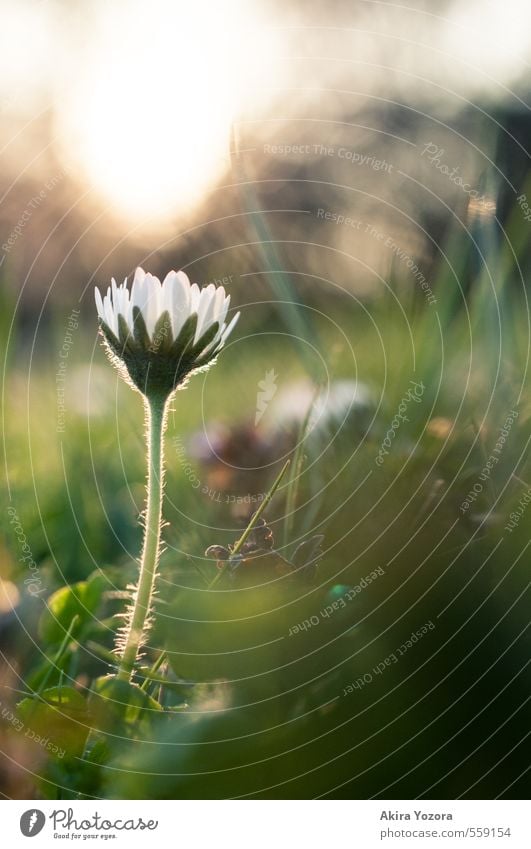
168	285
201	309
118	303
183	293
152	294
135	288
110	317
128	306
212	309
194	297
204	310
229	328
222	315
139	293
184	279
99	302
180	307
219	300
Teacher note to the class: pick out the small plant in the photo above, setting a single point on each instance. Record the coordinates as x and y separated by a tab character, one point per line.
157	335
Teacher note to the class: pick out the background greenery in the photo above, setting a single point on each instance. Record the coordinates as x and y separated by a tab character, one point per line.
247	709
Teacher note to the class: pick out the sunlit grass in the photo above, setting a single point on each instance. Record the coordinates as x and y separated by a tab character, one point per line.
79	500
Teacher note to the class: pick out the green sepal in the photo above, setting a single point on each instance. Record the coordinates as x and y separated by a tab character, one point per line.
156	365
162	338
110	338
209	356
205	340
140	329
186	336
127	340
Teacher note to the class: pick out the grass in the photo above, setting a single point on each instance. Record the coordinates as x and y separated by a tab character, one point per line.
249	706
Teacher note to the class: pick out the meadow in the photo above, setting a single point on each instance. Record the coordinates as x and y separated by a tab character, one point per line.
372	638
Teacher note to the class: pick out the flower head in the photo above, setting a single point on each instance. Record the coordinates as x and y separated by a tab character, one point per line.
159	333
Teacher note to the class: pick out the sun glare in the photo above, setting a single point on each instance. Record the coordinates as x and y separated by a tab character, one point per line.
492	38
149	120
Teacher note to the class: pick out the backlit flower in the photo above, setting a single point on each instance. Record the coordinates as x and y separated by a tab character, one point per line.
159	333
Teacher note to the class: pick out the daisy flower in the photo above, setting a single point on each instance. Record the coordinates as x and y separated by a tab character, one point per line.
159	333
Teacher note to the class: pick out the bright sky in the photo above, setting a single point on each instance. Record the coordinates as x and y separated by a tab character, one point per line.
144	94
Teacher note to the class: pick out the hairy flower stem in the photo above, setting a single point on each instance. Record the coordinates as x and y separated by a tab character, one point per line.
137	624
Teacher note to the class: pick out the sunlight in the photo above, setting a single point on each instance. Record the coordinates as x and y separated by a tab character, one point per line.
24	73
495	50
149	121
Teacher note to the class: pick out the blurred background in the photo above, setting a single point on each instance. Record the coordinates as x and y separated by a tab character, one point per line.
357	175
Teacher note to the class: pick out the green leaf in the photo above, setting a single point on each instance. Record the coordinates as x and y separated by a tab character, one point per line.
57	722
68	699
82	598
113	702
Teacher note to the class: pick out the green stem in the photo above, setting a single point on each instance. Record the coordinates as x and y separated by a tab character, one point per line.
151	549
151	673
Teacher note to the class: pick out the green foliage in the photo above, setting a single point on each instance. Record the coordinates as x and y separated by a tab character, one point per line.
115	704
60	715
242	703
81	599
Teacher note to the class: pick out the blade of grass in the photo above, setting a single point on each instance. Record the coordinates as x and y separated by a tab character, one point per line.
60	652
293	483
102	653
149	677
53	663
